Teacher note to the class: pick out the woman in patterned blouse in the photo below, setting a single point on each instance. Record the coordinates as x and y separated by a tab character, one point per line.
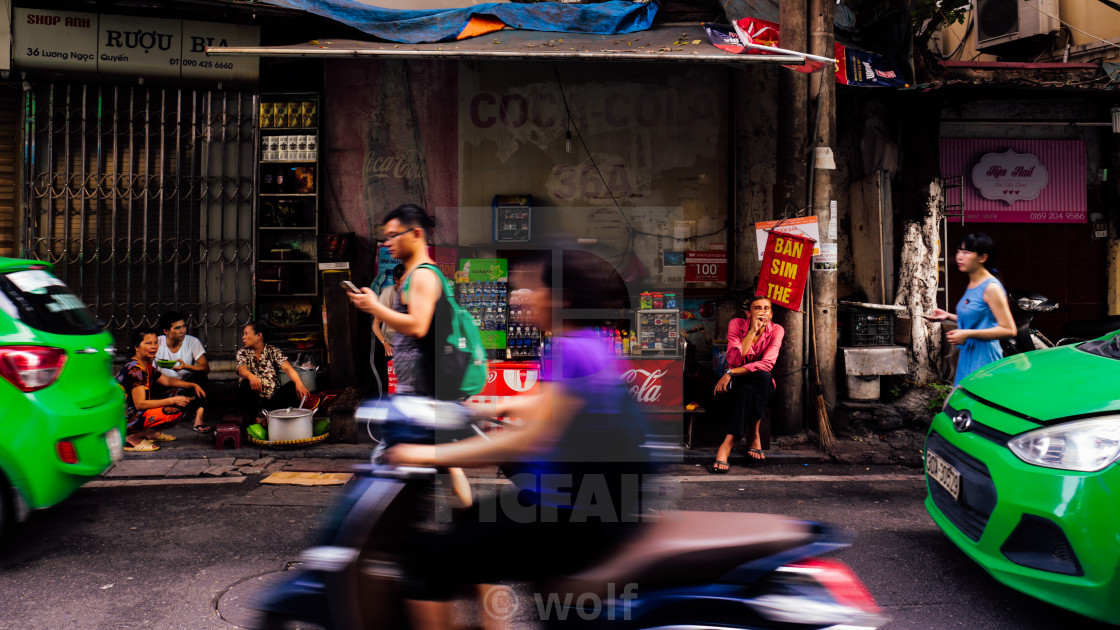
259	366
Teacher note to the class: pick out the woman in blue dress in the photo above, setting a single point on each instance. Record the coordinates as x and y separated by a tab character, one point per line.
983	316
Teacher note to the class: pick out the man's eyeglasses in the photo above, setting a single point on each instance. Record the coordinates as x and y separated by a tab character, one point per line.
389	237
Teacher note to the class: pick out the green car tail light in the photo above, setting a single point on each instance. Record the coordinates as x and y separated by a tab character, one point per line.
31	368
67	453
1081	445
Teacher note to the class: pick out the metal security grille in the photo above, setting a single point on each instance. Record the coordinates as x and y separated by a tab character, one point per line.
143	199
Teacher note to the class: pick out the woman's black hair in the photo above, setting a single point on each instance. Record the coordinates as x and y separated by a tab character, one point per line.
261	329
398	272
981	244
412	216
168	318
139	334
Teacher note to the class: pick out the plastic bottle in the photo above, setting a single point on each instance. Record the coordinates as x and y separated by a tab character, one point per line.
625	343
618	345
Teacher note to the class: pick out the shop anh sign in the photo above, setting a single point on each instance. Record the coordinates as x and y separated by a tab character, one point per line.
785	269
119	46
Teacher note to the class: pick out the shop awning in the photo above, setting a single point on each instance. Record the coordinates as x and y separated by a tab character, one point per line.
661	43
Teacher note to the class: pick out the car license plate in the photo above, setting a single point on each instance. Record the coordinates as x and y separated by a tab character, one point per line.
940	471
116	445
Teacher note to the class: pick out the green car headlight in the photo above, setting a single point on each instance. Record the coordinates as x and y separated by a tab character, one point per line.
1083	445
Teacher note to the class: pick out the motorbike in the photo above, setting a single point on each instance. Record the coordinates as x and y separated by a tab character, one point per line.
702	570
1025	304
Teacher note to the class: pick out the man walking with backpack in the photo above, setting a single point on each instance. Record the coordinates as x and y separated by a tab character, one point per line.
412	314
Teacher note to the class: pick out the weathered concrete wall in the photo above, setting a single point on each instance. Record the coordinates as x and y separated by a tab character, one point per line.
389	139
755	94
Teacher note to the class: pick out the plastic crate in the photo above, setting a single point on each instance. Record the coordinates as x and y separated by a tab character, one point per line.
865	327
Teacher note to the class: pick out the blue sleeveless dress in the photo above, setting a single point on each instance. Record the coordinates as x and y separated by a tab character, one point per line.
973	314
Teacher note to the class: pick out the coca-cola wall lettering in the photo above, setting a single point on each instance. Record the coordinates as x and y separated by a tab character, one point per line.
597	138
392	140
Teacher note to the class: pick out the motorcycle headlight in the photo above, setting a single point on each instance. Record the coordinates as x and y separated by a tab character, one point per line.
1083	445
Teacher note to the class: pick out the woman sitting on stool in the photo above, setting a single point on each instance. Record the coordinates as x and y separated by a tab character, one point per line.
259	366
145	416
752	347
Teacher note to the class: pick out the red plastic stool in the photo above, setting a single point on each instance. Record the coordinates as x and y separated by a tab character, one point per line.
227	432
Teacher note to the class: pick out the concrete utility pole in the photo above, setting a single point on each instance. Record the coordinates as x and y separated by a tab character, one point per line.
793	95
823	87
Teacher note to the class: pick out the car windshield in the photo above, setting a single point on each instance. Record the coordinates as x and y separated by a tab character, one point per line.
1109	348
43	302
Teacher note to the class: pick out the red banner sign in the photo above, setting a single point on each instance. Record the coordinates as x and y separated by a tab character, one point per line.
785	269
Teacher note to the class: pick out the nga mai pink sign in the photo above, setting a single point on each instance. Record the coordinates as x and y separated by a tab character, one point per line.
1018	181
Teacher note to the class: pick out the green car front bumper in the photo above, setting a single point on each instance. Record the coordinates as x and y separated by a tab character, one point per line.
1052	534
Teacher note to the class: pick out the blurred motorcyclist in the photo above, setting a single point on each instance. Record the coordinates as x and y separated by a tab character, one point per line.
576	463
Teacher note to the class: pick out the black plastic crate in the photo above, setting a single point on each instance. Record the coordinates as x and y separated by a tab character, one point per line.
865	327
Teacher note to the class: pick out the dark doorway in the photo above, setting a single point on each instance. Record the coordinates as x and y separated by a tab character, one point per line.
1058	260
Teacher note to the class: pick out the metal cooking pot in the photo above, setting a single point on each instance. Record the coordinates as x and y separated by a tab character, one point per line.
289	424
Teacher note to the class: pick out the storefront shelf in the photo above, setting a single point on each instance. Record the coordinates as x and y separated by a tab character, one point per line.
287	194
283	130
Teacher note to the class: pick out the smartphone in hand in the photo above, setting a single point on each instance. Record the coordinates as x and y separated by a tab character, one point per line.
350	286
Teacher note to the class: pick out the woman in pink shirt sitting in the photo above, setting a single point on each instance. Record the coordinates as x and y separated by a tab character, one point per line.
752	347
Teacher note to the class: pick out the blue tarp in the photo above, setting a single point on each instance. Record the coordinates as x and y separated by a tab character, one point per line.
440	25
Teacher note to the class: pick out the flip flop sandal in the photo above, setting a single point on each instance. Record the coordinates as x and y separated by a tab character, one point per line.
143	447
715	467
751	452
203	428
163	437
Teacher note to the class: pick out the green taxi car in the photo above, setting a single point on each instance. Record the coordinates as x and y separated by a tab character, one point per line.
1021	474
62	418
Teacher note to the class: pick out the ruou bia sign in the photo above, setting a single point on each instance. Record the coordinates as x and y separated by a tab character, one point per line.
48	42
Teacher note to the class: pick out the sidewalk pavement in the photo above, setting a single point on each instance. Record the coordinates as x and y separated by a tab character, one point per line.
192	454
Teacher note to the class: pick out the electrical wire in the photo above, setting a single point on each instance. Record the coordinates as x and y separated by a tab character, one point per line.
631	230
1059	20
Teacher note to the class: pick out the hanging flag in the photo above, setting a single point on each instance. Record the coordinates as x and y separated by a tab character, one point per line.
853	66
785	269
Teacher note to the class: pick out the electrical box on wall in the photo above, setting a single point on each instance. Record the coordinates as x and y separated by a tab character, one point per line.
1098	226
513	216
1003	25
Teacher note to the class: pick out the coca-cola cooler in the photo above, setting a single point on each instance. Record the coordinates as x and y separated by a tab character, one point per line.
509	379
653	382
656	382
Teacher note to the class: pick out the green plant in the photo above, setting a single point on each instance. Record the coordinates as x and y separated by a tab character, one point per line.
942	391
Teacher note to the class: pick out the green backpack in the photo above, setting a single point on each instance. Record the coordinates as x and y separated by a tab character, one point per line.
460	369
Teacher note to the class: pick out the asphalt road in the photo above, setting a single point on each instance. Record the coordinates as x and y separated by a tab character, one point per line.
193	556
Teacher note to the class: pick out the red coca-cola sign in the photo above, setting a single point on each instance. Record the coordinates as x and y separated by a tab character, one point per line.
655	382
